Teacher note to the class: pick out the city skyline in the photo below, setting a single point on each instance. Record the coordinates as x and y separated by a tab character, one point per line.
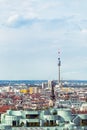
32	32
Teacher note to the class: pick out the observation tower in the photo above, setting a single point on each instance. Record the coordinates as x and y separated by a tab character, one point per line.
59	65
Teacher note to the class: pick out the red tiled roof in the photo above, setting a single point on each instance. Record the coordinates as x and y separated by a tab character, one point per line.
5	108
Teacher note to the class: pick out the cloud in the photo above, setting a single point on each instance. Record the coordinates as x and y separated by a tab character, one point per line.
49	14
84	31
13	19
61	24
16	21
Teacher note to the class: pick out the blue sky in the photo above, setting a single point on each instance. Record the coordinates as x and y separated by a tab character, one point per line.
32	31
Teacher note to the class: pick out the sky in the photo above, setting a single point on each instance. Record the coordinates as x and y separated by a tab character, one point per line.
33	31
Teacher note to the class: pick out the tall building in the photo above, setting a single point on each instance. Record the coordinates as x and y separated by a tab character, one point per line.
52	92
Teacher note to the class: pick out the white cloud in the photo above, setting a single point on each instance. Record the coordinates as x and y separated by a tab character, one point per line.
13	19
17	21
84	31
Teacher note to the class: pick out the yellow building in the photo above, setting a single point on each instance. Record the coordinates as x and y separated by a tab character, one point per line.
31	89
24	91
34	90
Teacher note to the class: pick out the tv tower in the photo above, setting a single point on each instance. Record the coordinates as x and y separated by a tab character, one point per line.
59	64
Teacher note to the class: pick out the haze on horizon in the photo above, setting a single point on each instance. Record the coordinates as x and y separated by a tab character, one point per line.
32	31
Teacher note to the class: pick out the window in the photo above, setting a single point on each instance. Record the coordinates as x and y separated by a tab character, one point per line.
55	113
84	122
14	123
22	123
